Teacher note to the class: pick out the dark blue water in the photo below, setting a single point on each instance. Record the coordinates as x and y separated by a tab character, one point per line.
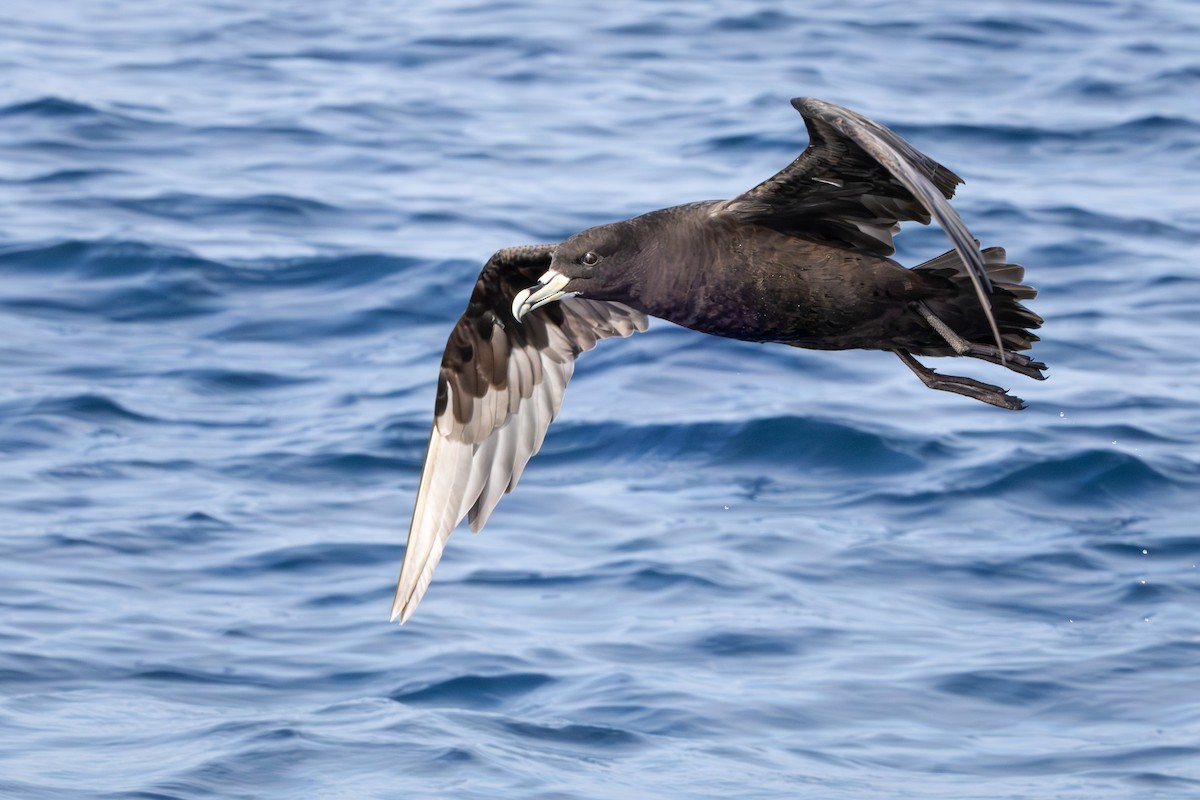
233	238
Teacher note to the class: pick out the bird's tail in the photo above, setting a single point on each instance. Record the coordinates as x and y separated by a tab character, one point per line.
959	307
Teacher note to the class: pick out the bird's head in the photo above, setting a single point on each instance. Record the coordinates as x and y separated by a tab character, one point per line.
592	263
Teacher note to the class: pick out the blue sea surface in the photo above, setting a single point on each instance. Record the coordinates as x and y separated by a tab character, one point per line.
234	238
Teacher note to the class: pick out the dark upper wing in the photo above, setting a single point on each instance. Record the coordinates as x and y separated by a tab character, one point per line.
501	383
853	185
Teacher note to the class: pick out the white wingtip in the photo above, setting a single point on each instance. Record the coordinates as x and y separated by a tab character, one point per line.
414	579
436	513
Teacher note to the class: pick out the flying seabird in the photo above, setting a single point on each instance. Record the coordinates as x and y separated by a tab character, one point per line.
801	259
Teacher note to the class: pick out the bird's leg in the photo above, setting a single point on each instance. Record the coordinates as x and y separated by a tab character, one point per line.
985	392
987	352
959	344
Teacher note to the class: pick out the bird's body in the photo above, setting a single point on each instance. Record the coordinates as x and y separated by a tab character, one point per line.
714	274
801	259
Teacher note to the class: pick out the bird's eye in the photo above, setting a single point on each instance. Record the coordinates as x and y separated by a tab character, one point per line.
589	259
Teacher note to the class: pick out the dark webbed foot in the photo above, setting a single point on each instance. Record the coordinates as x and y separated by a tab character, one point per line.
1014	361
986	392
986	352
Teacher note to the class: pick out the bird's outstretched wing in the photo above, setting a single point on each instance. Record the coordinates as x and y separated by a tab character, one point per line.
500	385
853	185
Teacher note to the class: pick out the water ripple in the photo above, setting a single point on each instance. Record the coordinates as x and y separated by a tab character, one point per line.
233	238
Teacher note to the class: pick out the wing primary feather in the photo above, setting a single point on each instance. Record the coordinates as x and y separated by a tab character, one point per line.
853	184
890	151
428	532
501	384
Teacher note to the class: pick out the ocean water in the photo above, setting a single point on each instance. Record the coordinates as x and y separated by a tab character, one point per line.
233	239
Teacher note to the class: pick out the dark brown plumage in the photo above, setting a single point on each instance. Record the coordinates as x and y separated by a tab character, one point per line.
801	259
